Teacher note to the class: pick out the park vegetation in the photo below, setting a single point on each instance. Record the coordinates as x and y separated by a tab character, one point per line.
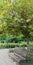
16	21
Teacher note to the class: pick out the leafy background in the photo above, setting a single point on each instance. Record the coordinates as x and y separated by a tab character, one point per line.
6	20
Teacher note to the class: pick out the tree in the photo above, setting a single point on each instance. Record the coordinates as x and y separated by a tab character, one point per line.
19	18
5	7
22	19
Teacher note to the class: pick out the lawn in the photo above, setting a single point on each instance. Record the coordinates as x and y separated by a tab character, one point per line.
12	45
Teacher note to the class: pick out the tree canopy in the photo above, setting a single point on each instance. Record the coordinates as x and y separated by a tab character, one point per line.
16	18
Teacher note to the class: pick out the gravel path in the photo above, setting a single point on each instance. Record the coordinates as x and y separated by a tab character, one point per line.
4	58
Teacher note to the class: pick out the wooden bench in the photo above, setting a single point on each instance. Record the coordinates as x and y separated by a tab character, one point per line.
19	54
20	51
17	57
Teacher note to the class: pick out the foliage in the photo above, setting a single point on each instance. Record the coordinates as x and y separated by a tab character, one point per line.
13	45
16	19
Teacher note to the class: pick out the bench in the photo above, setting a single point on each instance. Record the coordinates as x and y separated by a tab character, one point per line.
19	54
20	51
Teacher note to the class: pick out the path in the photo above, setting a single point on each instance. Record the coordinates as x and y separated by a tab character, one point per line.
4	58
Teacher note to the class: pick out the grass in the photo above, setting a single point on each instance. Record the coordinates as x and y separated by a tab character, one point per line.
12	45
30	57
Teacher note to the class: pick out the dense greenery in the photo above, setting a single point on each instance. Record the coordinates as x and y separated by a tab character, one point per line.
13	45
16	20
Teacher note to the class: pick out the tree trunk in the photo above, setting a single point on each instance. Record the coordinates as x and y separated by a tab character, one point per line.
28	46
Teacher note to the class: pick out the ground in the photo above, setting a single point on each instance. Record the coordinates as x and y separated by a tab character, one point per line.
4	58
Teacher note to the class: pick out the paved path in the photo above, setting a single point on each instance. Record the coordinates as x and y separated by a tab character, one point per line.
4	58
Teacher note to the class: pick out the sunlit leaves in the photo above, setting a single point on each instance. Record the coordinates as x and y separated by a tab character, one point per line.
17	17
5	7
